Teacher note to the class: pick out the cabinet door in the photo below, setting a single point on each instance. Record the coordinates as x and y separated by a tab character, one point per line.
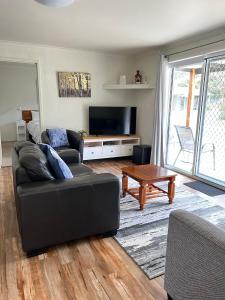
92	153
126	150
111	151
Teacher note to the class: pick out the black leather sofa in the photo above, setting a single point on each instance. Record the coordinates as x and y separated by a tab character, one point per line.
73	153
51	212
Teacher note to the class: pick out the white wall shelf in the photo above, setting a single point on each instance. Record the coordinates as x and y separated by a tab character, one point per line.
109	146
111	86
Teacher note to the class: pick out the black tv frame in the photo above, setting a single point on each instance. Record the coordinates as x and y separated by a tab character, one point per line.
102	132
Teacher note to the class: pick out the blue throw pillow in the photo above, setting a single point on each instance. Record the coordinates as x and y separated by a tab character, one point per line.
59	167
57	137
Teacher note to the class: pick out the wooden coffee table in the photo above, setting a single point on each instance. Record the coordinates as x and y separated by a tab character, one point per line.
147	175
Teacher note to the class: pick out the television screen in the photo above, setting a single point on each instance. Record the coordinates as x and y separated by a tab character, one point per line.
112	120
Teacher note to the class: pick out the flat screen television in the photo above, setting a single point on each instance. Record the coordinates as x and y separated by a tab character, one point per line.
105	120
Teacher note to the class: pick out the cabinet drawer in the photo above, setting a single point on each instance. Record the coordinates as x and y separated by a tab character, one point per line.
111	151
92	152
126	150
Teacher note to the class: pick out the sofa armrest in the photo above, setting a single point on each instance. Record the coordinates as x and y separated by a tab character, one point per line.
76	142
61	210
195	267
70	156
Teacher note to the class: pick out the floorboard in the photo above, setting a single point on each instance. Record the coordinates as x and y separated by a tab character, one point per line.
6	153
93	268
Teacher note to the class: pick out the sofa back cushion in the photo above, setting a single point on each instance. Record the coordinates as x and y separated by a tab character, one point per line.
34	161
19	173
58	137
19	145
58	166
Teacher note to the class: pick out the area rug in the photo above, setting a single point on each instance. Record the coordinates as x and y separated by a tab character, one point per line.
143	234
204	188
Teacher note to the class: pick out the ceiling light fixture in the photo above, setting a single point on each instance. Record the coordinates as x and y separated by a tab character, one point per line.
56	3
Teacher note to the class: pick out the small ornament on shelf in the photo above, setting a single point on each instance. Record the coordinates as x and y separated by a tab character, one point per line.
138	77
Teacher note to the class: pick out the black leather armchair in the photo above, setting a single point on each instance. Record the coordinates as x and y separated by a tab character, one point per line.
71	154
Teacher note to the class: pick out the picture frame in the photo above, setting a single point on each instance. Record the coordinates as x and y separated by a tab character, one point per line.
74	84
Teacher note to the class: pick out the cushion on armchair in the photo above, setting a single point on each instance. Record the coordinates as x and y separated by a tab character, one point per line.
69	155
59	167
58	137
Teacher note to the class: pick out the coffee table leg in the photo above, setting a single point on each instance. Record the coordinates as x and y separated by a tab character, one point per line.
124	184
171	189
142	195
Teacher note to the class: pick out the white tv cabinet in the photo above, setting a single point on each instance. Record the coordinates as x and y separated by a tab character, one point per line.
98	147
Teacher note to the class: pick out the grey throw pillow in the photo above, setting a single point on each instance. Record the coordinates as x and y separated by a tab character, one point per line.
35	163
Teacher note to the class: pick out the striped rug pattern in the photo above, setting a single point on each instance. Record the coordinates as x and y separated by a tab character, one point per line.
143	234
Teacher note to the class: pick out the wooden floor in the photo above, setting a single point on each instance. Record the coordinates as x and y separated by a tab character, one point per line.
6	153
92	268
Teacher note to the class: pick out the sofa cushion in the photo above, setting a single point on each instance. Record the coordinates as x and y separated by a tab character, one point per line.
19	172
35	163
57	137
80	169
19	145
59	167
69	155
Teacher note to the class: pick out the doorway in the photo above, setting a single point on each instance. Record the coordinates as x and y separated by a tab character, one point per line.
18	93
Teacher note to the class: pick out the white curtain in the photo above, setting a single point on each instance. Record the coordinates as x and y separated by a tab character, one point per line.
161	113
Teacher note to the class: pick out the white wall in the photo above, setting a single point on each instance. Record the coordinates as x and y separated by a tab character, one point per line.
72	112
148	63
17	90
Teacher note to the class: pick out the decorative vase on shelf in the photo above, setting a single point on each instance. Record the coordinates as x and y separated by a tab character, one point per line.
138	77
123	79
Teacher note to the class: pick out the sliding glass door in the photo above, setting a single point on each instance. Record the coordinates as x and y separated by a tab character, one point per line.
211	153
185	93
196	131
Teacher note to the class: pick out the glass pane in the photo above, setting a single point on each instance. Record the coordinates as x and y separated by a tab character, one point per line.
212	148
183	116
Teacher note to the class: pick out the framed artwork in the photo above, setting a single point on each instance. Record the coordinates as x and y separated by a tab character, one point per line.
74	84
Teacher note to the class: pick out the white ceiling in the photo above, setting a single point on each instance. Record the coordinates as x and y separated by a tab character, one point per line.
109	25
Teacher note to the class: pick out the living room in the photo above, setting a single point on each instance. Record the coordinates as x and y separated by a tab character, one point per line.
114	186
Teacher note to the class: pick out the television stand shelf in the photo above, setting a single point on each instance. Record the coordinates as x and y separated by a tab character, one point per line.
98	147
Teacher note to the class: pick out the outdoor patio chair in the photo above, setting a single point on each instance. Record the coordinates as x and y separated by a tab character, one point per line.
187	143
